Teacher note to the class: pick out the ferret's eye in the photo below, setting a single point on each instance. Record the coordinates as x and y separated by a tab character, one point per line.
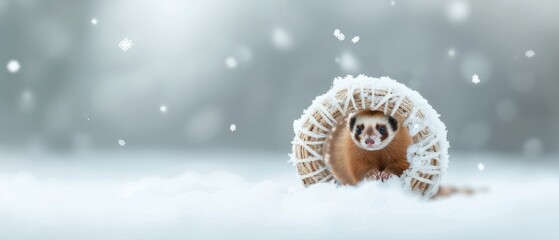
382	130
358	130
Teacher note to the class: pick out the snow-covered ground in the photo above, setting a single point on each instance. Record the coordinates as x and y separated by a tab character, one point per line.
151	195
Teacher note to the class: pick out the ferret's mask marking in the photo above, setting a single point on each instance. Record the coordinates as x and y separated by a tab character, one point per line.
352	122
358	132
381	133
393	123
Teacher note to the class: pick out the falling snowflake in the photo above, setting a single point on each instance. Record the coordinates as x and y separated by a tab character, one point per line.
13	66
393	3
480	166
231	62
355	39
233	127
27	95
27	100
458	10
341	37
416	125
121	142
338	34
125	44
337	59
282	39
349	62
475	79
451	52
94	21
530	53
163	108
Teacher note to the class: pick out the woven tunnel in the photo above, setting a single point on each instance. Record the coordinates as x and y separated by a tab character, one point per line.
428	155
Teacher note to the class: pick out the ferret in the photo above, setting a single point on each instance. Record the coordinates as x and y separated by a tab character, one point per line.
369	145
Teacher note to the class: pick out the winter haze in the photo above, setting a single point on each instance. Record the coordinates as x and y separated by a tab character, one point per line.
173	119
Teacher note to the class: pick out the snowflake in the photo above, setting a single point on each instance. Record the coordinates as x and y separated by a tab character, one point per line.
475	79
94	21
13	66
393	3
355	39
121	142
125	44
451	52
27	95
338	34
458	11
163	108
480	166
530	53
282	39
233	127
231	62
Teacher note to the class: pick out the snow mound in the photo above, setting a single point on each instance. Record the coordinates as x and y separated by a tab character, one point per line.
224	205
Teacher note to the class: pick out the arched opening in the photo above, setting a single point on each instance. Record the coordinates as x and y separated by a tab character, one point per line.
428	154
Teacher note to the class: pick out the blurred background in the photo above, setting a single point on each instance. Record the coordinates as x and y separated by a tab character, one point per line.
135	119
95	76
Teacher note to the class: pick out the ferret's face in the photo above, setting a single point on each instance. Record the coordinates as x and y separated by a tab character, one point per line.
372	131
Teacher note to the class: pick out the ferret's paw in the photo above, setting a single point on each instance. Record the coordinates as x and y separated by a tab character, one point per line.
373	175
385	175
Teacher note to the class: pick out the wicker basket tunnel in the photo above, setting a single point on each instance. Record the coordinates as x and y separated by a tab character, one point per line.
428	155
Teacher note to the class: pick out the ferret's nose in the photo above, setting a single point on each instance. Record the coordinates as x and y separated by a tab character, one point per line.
369	141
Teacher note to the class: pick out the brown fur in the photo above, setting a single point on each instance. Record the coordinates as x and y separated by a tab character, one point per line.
351	163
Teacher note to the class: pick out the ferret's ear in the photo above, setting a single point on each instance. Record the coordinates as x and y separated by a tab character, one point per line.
393	123
351	118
